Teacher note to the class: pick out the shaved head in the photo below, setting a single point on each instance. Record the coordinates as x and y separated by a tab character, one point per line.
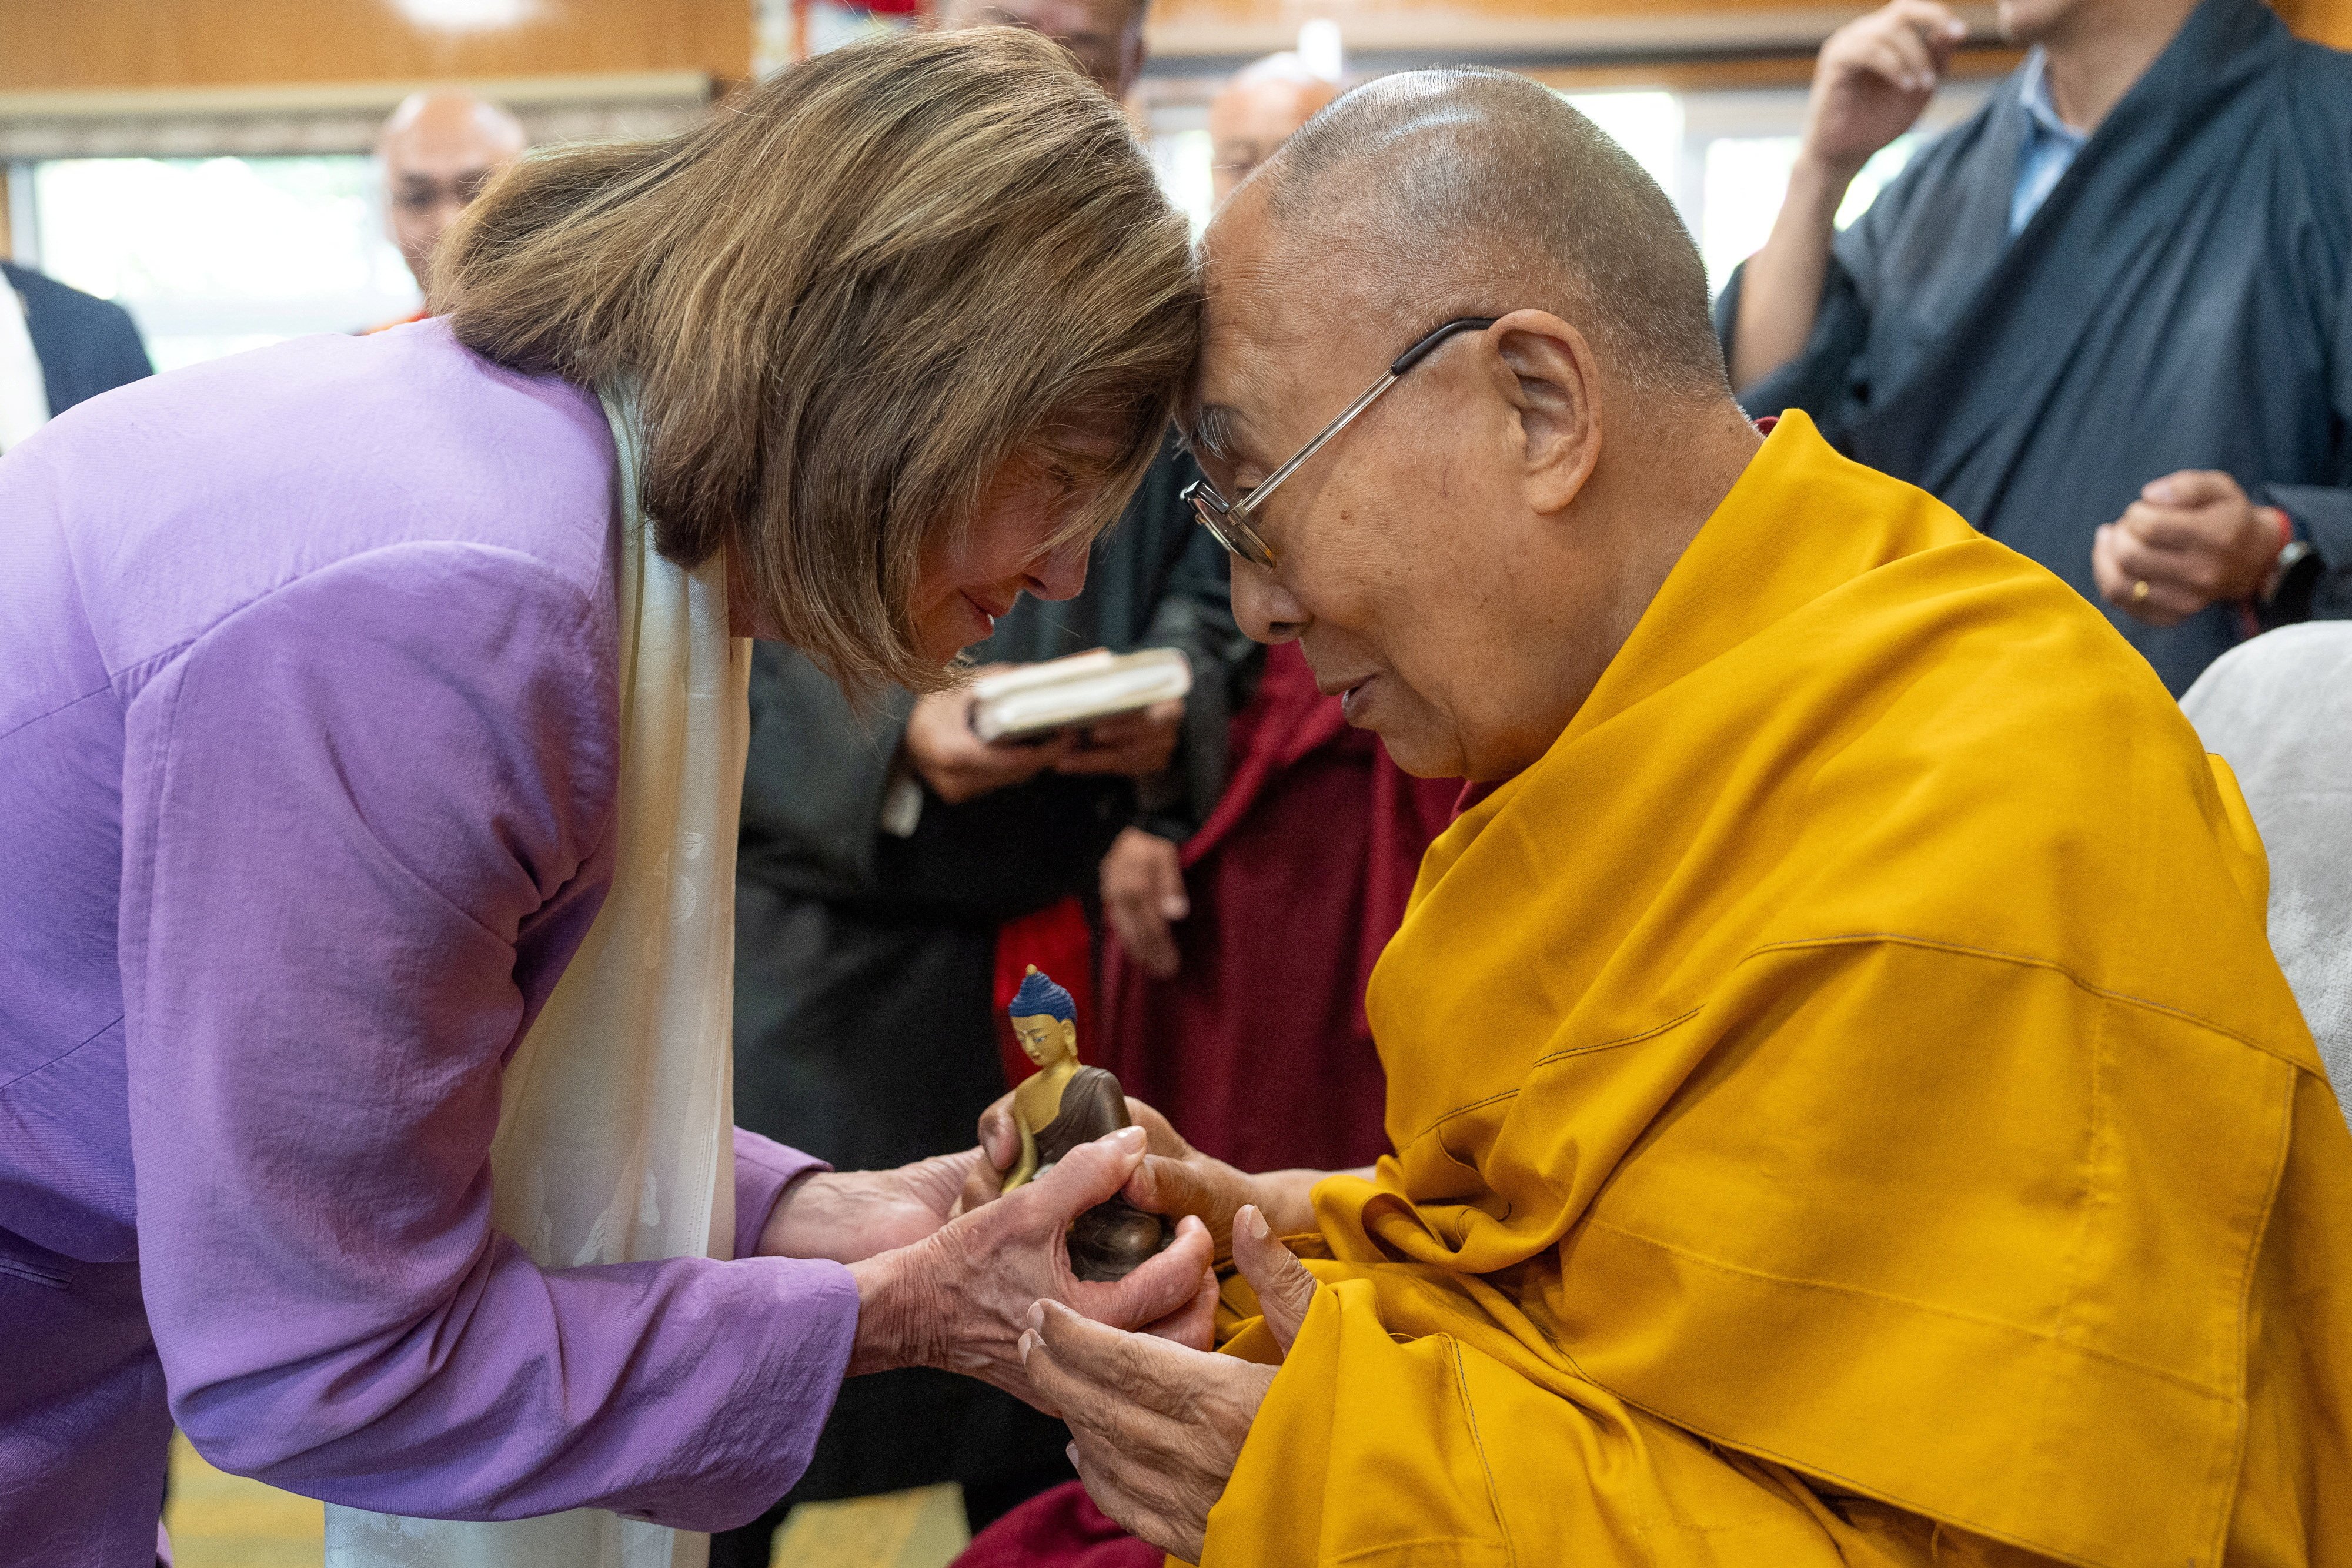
1472	193
438	149
1459	545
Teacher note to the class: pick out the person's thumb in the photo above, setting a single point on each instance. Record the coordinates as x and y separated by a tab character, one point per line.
1091	1172
1170	1187
1284	1288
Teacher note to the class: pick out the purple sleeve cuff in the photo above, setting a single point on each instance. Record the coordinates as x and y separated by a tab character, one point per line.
763	1169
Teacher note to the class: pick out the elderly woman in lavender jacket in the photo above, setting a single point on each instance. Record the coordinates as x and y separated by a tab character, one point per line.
308	711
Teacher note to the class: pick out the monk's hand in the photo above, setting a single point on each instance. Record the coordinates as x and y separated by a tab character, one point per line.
847	1216
1873	78
2193	539
1130	745
1142	895
960	1298
1179	1179
956	763
1156	1428
1000	1150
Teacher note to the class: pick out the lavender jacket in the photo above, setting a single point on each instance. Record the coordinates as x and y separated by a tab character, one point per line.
308	724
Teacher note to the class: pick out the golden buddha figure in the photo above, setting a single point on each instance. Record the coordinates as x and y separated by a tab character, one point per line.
1066	1103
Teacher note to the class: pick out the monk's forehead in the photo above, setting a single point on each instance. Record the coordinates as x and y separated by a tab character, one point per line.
1287	308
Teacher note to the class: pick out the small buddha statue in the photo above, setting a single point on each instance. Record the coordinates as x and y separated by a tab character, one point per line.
1061	1105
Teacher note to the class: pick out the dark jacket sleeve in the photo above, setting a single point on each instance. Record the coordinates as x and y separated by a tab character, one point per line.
2323	513
86	345
812	787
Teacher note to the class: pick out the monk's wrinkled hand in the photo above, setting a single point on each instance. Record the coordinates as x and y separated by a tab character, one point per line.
960	1298
1179	1179
1000	1148
847	1216
1156	1428
2193	539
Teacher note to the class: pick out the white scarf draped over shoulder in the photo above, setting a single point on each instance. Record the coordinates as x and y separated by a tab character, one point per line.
615	1141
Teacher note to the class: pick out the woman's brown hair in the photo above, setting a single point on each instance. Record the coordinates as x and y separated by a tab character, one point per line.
846	300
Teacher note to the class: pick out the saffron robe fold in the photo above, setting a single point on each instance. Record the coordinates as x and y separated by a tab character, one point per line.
1846	1111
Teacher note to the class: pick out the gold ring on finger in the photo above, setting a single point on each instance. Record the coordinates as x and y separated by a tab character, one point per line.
2140	591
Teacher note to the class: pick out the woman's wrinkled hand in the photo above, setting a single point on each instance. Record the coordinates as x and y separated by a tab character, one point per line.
960	1298
1156	1427
847	1216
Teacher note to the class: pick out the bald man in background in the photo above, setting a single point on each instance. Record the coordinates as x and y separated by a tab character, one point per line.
1262	108
439	151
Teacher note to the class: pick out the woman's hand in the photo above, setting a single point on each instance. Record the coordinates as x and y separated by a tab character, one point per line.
960	1298
1156	1427
847	1216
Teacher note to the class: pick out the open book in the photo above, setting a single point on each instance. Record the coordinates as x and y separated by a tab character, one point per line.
1063	693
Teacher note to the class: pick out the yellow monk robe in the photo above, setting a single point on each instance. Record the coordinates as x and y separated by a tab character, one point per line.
1847	1112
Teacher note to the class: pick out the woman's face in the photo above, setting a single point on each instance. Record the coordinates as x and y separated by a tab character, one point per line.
961	592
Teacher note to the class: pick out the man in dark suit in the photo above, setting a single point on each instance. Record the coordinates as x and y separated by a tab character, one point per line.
59	347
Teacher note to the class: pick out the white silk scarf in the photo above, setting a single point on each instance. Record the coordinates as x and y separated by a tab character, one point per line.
615	1141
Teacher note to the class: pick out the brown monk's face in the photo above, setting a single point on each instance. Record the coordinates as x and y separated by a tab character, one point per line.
1420	557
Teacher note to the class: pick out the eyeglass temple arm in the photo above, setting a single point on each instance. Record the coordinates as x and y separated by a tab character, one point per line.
1402	363
1428	345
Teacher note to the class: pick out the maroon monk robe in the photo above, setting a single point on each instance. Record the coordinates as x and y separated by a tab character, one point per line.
1257	1050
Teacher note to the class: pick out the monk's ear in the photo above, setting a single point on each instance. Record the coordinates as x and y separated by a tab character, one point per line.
1549	376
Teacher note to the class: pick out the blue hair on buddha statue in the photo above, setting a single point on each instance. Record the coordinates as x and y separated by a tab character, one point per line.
1040	998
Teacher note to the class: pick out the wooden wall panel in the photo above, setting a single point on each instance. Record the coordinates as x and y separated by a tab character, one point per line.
50	44
108	44
1599	28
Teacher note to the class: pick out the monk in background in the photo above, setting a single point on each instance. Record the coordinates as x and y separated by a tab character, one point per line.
438	152
1310	852
1844	1107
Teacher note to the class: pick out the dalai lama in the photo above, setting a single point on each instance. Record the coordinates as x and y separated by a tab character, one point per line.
1844	1107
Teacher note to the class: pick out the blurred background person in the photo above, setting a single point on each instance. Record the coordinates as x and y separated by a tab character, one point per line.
59	347
1258	112
897	874
438	149
1233	991
1105	35
2094	319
